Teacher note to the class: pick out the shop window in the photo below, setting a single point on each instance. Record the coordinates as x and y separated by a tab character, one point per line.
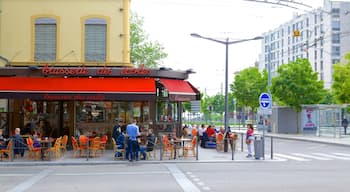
41	117
167	111
90	112
95	39
45	39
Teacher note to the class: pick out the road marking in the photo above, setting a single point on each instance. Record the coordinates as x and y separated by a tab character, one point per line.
342	154
331	156
113	173
15	175
311	156
31	181
291	157
181	179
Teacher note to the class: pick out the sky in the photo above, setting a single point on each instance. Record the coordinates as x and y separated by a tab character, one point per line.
170	22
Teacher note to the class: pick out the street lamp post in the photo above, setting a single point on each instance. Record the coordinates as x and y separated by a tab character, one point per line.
227	42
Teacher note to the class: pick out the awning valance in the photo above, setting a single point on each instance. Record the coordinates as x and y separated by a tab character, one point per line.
180	90
77	88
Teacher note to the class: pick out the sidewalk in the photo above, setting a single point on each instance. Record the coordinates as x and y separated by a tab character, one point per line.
204	155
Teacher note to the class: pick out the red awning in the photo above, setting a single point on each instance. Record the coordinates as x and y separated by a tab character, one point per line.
72	88
180	90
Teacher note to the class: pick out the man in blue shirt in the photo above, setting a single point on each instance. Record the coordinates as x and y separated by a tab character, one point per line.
132	131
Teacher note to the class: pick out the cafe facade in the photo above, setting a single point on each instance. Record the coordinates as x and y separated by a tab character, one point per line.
82	100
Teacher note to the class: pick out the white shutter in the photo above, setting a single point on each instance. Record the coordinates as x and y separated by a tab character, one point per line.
95	40
45	39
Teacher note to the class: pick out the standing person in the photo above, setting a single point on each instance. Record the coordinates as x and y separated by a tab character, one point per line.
19	145
345	124
132	131
117	130
151	139
249	139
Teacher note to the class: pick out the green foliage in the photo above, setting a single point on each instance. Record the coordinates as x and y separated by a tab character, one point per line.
341	81
297	84
143	51
248	86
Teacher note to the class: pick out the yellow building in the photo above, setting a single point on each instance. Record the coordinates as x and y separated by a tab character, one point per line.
64	32
67	63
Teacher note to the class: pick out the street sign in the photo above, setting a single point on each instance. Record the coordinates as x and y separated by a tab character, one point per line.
265	101
265	111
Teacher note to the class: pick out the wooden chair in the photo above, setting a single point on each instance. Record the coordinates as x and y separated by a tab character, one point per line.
76	148
220	142
64	141
168	148
33	152
116	150
83	144
190	147
152	154
8	151
104	140
95	147
55	150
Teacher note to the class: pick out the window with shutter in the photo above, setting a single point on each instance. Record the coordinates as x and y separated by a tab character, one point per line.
45	39
95	39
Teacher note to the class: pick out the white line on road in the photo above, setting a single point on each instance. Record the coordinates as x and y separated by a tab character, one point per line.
112	173
291	157
331	156
312	157
31	181
181	179
15	175
342	154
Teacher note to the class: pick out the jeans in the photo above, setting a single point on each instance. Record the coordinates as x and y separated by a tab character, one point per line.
143	152
249	147
133	145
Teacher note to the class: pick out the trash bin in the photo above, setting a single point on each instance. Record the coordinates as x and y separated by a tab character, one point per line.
258	147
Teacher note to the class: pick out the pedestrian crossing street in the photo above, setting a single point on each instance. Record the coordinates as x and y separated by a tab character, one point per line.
310	156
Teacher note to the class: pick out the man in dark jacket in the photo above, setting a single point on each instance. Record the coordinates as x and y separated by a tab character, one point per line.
345	124
19	145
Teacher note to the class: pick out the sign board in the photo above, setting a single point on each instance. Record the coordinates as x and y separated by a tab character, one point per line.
195	106
265	111
265	101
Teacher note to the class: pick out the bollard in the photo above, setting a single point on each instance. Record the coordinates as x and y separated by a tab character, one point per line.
233	149
271	138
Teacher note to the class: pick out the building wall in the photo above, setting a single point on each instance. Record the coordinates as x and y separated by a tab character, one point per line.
315	42
17	29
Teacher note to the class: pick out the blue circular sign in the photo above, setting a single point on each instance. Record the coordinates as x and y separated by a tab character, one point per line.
265	101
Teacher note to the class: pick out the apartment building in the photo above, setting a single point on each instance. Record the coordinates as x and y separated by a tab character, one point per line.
321	35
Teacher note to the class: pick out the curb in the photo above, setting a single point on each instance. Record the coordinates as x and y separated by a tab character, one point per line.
310	140
83	163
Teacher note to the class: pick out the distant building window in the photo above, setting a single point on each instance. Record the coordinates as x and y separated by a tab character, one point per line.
336	25
95	39
336	38
335	51
45	39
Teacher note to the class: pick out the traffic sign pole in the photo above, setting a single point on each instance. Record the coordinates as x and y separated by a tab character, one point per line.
265	102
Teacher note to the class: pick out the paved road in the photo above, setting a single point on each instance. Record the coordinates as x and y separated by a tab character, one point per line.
301	166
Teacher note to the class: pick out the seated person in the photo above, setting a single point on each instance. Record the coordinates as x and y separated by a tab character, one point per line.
19	145
142	141
120	143
210	131
3	143
36	141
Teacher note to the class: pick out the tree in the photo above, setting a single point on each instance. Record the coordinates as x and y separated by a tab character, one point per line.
247	87
143	51
341	81
297	84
